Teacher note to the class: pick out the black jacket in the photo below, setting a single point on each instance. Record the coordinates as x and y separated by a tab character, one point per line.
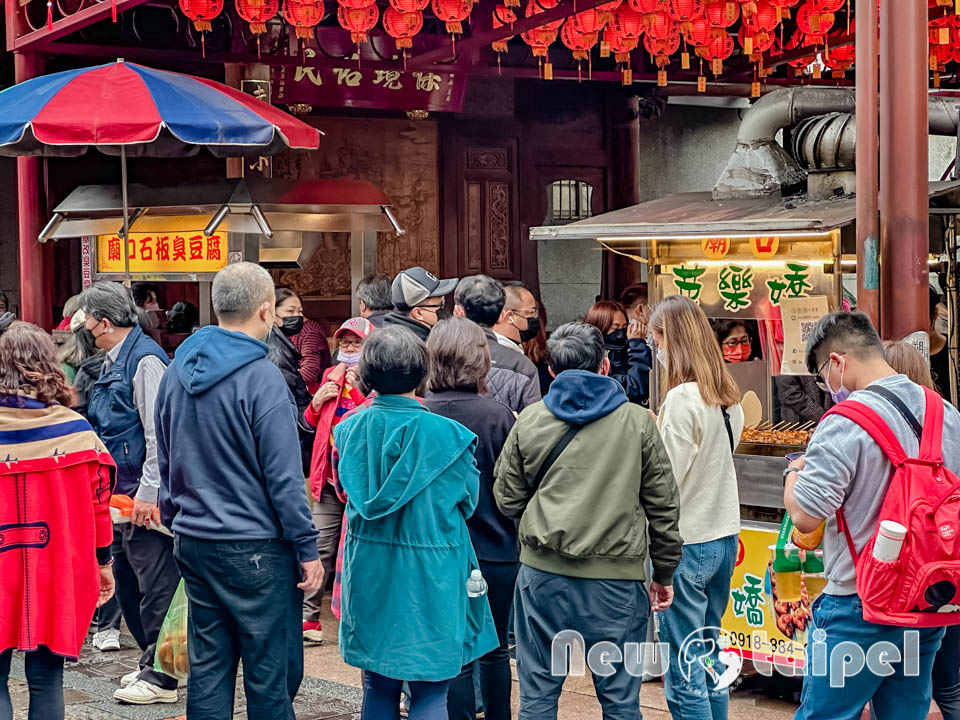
285	356
513	380
493	534
403	320
377	317
630	366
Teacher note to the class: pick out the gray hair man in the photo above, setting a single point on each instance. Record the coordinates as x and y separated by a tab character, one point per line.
513	380
375	293
121	410
585	471
232	490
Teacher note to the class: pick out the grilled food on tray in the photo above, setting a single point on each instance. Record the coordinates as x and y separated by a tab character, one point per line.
776	437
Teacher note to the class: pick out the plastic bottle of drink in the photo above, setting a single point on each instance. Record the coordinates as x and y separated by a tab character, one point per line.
476	585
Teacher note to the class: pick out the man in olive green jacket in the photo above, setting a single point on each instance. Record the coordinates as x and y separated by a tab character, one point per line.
583	522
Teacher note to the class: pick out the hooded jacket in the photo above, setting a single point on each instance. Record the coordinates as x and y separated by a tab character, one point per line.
411	482
401	319
589	516
227	439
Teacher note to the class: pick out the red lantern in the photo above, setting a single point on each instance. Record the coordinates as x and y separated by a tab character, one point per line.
588	21
409	6
620	46
841	59
762	22
649	9
257	13
201	12
697	32
683	12
358	21
627	22
830	6
716	51
356	4
540	39
502	15
661	50
607	10
783	6
813	22
662	27
940	55
759	46
453	13
535	7
577	42
303	15
402	26
720	15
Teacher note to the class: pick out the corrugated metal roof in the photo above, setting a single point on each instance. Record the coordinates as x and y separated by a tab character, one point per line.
699	215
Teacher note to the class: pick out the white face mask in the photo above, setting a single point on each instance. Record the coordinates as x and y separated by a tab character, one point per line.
662	357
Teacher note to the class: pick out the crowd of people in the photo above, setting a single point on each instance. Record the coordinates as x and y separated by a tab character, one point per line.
463	480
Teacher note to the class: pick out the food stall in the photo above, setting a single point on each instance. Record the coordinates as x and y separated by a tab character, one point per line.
188	232
775	266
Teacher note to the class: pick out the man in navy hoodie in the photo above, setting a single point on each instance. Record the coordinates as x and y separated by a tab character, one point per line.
232	490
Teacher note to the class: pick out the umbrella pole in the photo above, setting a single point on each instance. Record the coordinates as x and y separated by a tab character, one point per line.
126	219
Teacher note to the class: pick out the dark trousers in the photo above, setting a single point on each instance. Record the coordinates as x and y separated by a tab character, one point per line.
946	675
381	698
614	611
125	602
150	555
44	679
328	519
244	604
494	667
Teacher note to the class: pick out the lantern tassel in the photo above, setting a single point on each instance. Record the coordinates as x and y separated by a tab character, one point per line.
49	16
258	47
203	44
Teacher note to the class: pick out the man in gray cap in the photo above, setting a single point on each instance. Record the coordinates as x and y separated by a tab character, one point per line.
418	298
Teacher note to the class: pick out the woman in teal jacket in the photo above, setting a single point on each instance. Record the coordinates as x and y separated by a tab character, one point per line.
411	482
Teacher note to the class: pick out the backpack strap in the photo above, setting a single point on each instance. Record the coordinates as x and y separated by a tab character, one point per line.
931	443
874	425
894	399
554	454
845	529
726	421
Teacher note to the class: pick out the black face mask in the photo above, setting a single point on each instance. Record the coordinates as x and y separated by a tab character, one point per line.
292	325
533	329
616	339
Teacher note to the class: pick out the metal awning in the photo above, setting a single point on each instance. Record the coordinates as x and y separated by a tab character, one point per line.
255	206
699	215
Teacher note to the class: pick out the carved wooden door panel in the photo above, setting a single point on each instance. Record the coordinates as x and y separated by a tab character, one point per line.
485	215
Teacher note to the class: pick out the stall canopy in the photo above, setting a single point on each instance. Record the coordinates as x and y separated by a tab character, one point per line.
287	216
697	214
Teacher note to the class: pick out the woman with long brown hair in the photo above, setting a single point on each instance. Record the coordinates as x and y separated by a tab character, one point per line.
626	346
701	422
55	523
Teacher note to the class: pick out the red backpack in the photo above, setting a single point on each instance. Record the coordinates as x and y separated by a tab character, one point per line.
922	587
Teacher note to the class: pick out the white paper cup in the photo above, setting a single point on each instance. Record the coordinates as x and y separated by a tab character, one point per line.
889	541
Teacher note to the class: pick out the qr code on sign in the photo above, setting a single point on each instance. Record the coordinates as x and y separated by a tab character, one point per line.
806	328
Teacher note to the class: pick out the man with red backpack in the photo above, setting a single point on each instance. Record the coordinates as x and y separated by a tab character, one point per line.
865	464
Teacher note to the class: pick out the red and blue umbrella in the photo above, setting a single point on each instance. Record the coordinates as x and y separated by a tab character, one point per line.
141	111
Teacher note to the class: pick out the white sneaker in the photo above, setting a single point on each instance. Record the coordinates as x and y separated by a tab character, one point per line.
130	678
145	693
107	640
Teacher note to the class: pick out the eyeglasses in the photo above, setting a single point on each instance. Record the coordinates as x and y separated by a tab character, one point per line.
743	342
821	381
527	315
431	308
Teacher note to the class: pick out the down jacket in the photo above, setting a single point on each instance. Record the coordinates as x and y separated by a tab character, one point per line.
513	380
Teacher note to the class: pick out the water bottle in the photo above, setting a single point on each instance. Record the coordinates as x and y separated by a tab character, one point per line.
476	585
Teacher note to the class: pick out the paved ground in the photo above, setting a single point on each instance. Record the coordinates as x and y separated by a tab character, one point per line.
330	691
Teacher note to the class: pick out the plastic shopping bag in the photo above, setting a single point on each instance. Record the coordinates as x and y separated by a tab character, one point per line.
171	658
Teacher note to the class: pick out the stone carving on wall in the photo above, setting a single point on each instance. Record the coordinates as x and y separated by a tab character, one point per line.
498	224
400	157
488	159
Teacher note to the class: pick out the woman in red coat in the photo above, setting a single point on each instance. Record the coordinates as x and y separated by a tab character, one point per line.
55	528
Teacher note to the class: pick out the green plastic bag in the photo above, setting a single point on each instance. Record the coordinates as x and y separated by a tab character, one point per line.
171	656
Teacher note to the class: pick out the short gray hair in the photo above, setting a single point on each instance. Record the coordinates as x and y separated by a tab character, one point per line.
482	299
575	346
376	292
110	301
393	361
239	290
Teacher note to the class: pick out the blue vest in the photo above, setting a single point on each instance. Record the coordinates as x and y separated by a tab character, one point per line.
113	412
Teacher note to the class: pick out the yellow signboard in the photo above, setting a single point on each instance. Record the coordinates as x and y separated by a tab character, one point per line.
164	252
762	628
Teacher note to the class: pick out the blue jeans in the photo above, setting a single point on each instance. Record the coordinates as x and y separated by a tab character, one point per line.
701	589
44	672
381	698
898	696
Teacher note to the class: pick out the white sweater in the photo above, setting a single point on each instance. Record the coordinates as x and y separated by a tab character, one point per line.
696	439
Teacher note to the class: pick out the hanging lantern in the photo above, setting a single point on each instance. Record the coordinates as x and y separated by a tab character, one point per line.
627	22
452	13
580	44
303	15
812	22
762	22
716	51
748	7
359	21
535	7
841	59
502	15
720	15
697	32
661	50
587	22
409	6
783	7
402	26
540	39
757	46
649	9
356	4
662	27
257	13
830	6
620	46
683	12
202	12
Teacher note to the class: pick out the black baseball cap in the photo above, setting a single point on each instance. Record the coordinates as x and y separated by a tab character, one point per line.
414	285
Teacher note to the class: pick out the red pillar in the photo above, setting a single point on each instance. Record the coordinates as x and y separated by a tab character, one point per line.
35	292
868	217
904	198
